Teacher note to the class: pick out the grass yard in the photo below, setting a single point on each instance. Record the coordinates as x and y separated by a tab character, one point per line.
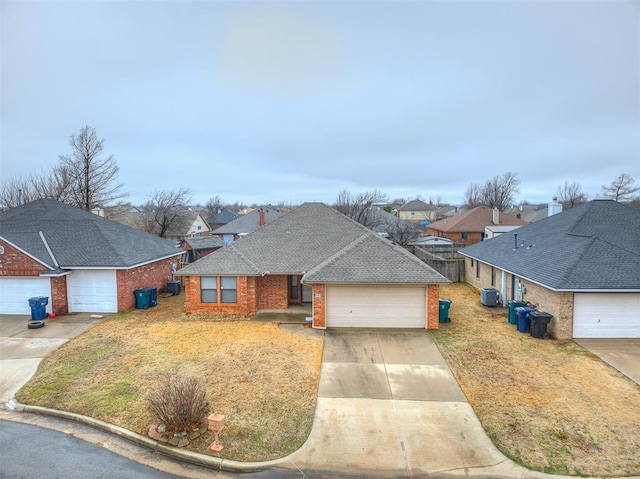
549	405
263	379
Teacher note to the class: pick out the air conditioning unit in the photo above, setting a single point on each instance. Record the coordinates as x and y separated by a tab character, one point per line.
489	296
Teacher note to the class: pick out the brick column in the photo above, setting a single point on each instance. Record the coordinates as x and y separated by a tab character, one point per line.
433	306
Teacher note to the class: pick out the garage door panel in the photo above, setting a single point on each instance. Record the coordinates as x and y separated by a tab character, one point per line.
15	294
606	315
92	291
376	306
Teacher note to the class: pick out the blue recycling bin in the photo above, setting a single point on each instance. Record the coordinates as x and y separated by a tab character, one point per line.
153	296
524	319
38	305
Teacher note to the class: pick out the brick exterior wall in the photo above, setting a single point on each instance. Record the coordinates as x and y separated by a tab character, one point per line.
149	275
558	304
246	298
433	306
59	297
273	292
16	263
319	306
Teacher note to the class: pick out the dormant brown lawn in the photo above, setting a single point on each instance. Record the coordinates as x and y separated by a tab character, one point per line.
549	405
263	379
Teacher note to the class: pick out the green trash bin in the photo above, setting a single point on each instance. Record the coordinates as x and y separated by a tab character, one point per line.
443	316
512	304
143	298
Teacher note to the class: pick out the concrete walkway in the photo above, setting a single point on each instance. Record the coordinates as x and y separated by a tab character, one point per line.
621	353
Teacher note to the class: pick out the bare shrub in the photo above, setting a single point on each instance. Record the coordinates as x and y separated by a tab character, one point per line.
181	401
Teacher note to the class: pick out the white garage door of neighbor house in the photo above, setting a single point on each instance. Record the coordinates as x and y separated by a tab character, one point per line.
376	306
606	315
15	294
92	291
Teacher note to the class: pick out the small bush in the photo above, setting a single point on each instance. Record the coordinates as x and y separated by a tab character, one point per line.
181	401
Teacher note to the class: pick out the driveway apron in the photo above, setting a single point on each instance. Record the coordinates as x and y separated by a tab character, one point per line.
621	353
388	403
22	349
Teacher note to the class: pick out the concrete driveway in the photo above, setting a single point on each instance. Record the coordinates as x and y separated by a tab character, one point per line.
22	349
389	404
621	353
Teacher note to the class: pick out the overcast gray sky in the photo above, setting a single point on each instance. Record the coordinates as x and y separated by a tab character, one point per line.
262	102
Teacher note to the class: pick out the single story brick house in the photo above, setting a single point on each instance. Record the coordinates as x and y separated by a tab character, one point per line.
81	261
314	255
469	227
581	265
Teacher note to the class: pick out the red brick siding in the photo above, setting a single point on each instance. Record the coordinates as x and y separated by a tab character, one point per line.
16	263
433	306
246	298
149	275
59	298
273	292
319	306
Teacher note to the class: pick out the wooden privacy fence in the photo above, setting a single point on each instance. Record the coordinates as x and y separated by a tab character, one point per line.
445	259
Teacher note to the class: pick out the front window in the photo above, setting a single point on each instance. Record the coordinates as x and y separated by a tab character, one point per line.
228	289
464	236
477	269
209	289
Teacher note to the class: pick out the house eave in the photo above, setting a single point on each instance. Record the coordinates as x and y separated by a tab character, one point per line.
28	254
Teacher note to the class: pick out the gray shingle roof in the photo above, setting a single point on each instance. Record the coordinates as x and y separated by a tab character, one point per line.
78	238
594	246
245	224
415	205
204	242
322	242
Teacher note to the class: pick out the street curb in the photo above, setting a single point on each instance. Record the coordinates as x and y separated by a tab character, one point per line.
187	456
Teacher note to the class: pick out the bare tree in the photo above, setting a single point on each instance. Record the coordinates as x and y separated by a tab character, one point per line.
473	195
403	232
164	210
496	192
359	207
570	195
93	178
54	184
620	189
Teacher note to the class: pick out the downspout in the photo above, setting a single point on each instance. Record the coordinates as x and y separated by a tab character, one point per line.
503	288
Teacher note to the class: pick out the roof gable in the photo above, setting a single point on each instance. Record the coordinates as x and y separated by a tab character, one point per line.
595	246
415	205
77	238
309	236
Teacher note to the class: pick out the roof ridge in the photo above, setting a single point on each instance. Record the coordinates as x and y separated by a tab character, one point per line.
343	251
232	246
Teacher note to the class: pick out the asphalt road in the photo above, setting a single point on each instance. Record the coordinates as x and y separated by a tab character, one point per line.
31	452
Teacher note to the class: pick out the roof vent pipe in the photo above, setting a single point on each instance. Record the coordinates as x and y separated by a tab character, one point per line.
515	239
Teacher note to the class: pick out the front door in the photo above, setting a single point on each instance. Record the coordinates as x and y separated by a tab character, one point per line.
307	296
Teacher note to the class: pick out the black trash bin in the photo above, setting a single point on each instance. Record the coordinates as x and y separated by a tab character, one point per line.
38	305
539	322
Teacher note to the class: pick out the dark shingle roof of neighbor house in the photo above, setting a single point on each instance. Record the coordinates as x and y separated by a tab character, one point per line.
474	220
594	246
246	223
77	238
204	242
321	243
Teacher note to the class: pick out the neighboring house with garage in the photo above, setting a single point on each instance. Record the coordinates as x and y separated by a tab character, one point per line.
581	265
469	227
245	224
81	261
348	275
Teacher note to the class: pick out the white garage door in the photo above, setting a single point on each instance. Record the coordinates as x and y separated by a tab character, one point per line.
606	315
15	294
92	291
376	306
